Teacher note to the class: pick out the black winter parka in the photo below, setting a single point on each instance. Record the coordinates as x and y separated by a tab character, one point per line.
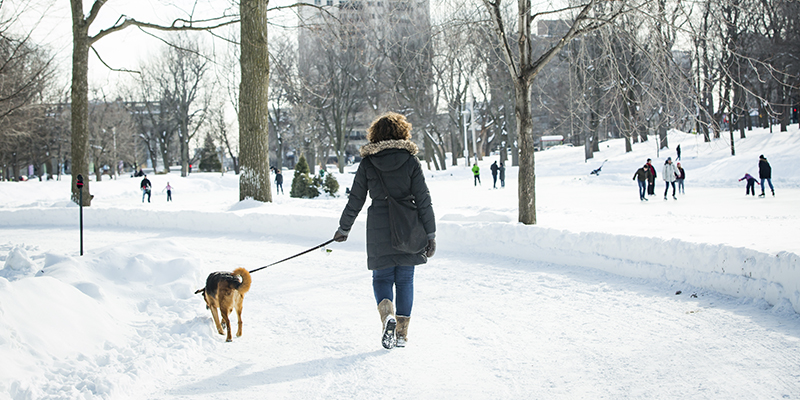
402	173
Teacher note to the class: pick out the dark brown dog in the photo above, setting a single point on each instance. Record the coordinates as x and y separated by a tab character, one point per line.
224	291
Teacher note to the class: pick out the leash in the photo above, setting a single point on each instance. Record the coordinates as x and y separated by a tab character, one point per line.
296	255
285	259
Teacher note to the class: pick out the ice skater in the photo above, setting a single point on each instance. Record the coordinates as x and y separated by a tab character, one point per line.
651	182
145	185
169	192
670	176
642	175
751	184
681	177
765	173
494	169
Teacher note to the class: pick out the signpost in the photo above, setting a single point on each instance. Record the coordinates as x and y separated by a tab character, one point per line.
79	184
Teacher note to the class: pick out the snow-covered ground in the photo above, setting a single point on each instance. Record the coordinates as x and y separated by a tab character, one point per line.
582	305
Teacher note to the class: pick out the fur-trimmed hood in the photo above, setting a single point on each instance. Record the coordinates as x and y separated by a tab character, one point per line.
375	148
389	155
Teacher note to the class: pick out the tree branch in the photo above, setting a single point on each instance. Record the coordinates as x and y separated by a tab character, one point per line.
108	66
179	24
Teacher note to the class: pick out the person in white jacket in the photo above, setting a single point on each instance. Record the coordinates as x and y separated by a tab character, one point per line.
670	175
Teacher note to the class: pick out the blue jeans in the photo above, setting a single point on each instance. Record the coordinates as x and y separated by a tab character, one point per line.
667	188
400	278
642	188
769	180
680	186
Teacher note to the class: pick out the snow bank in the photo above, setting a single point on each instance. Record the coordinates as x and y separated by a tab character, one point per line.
730	270
733	271
63	322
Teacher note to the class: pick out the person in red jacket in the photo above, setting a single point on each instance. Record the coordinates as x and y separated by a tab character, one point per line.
651	180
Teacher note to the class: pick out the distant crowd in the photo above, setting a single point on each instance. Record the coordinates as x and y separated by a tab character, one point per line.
674	175
498	171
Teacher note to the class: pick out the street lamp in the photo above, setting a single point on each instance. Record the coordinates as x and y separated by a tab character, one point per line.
466	150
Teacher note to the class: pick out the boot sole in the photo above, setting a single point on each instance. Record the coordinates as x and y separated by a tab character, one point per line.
388	340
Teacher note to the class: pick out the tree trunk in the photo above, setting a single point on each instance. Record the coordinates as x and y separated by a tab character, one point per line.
254	180
80	103
527	173
164	148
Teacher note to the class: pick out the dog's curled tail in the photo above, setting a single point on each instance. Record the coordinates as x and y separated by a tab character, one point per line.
245	286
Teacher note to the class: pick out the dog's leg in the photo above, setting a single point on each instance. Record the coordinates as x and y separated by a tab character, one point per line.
239	305
225	307
211	304
213	307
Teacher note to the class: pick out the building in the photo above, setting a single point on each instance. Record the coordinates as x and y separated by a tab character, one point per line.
359	59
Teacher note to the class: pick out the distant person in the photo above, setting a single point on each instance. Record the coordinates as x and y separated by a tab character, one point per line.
169	192
476	172
278	181
494	169
651	181
765	173
678	150
670	176
502	173
681	177
138	173
751	184
641	176
145	185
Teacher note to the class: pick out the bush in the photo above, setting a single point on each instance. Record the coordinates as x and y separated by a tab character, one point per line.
209	159
308	187
331	185
301	181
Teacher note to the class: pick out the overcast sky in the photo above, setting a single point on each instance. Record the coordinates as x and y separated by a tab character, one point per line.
50	22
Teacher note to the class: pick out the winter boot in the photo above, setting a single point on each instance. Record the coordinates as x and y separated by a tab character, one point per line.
773	193
386	309
402	330
761	195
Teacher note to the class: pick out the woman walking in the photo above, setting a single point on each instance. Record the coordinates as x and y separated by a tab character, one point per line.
390	168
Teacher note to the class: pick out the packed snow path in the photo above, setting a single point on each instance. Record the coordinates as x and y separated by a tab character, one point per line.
482	327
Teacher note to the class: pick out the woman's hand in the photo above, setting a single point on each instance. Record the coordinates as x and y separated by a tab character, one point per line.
339	236
430	250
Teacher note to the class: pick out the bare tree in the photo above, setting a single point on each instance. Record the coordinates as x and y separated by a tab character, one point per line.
523	68
189	92
82	42
453	62
285	92
254	178
335	71
110	127
26	72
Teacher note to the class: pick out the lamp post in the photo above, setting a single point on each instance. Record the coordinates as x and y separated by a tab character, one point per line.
466	148
79	184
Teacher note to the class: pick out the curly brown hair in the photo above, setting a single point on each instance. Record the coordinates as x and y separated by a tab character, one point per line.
390	126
